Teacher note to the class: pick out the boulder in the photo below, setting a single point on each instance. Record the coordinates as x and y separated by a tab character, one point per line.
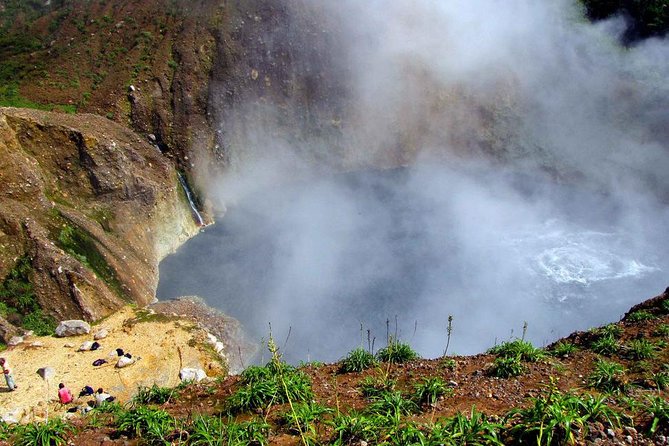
15	340
192	374
73	327
12	417
46	372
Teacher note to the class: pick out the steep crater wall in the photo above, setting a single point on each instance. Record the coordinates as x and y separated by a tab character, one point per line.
87	210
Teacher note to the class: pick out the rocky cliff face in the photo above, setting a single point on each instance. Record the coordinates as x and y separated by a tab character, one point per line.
87	210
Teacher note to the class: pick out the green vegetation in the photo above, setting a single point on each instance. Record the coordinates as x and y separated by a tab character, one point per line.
82	246
555	418
519	348
607	345
51	433
507	367
638	349
357	360
662	330
658	409
373	387
475	430
607	376
564	348
153	425
303	417
17	296
660	379
396	352
275	383
613	330
153	394
429	391
639	316
510	357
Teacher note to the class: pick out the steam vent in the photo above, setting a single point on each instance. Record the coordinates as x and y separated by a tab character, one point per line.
427	222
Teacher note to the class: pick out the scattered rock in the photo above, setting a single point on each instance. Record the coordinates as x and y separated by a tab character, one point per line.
37	344
86	346
192	374
73	327
46	372
12	417
15	340
68	345
610	433
101	334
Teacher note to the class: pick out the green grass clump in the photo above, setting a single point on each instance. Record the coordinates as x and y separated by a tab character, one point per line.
397	353
210	430
556	418
207	430
429	390
51	433
610	330
658	410
640	316
355	427
660	379
564	348
607	377
524	350
152	425
6	431
357	360
662	330
472	430
392	405
275	383
302	417
373	387
506	367
639	349
606	345
152	395
448	363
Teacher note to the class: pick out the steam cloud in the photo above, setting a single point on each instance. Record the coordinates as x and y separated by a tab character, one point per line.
535	185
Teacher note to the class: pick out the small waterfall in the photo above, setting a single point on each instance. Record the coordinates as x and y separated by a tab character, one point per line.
196	214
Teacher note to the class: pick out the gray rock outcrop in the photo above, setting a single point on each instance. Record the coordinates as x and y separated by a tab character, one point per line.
72	328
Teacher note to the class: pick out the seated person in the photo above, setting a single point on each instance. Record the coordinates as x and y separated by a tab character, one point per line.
64	394
102	397
125	361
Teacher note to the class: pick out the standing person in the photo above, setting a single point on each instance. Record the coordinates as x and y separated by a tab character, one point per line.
64	394
9	379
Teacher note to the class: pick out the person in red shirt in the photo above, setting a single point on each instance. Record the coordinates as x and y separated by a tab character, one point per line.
9	379
64	394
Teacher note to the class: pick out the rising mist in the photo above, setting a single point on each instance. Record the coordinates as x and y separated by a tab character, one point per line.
533	187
